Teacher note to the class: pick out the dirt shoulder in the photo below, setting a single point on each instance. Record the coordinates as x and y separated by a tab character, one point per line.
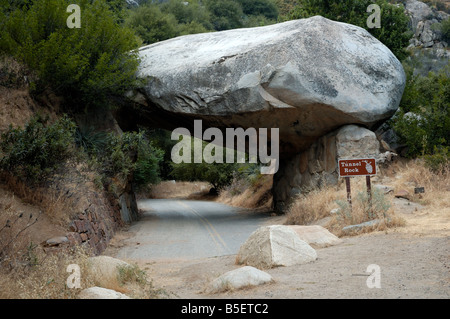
414	263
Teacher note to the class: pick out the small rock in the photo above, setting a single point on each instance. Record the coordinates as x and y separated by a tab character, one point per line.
56	241
101	293
358	227
385	189
402	194
334	211
239	278
317	236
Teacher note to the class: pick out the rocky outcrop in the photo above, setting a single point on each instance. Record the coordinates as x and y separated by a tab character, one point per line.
306	77
273	246
317	166
422	19
428	45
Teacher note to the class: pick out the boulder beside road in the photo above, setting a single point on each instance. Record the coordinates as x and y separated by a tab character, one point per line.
273	246
316	236
239	278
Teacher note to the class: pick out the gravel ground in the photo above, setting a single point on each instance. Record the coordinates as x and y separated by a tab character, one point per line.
409	268
414	262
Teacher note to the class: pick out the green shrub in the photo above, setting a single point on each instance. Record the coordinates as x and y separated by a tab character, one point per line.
362	209
90	140
130	154
445	29
37	150
218	175
266	8
147	170
439	160
152	25
226	14
87	64
423	121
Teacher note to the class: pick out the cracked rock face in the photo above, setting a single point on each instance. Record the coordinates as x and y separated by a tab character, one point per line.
306	77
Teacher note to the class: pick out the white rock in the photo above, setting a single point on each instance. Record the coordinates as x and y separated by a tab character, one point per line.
315	235
354	141
101	293
384	188
273	246
105	270
305	77
334	211
239	278
354	228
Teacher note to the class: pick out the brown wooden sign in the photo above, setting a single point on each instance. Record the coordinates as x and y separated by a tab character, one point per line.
357	167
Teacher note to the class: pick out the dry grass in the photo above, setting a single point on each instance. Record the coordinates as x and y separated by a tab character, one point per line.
242	193
434	218
43	276
403	175
313	206
381	211
173	189
53	204
411	174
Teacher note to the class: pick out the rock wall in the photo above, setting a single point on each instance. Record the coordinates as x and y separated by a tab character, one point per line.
96	225
97	211
318	166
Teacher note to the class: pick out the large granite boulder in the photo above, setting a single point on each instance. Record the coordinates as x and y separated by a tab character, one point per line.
318	165
306	77
274	246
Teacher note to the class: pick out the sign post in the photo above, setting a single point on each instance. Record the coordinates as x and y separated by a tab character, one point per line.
349	192
358	167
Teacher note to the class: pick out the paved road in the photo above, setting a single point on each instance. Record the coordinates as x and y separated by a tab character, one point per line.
172	229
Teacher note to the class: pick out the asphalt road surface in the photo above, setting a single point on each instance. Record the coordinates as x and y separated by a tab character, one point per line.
181	229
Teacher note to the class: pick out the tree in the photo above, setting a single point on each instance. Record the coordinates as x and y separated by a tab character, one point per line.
226	14
152	25
423	121
266	8
86	65
188	12
218	175
394	23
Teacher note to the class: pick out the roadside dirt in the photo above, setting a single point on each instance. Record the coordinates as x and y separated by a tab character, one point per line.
414	262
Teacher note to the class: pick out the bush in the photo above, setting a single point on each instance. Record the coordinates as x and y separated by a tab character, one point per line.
151	25
439	160
423	121
130	154
38	149
218	175
226	14
445	29
86	65
265	8
187	12
147	170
